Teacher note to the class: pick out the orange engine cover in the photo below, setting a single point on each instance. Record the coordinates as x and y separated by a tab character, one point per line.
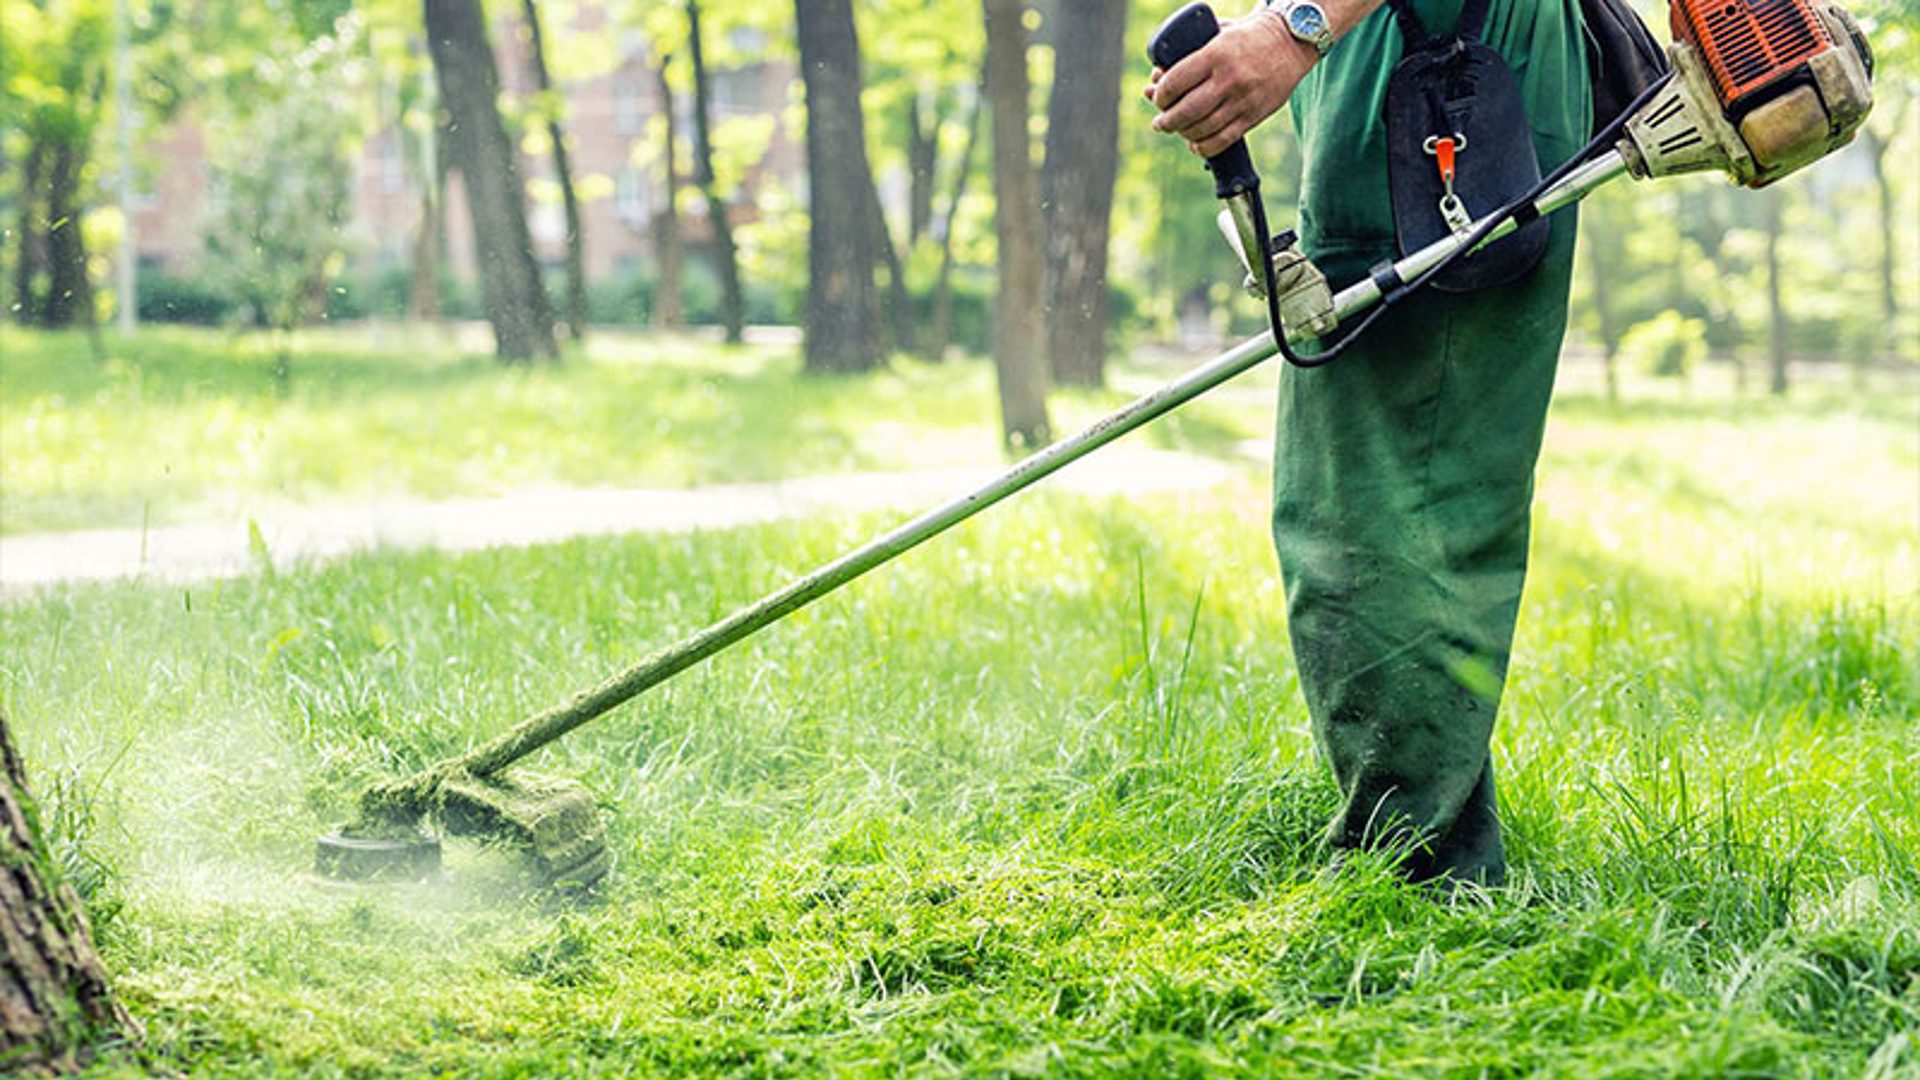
1749	44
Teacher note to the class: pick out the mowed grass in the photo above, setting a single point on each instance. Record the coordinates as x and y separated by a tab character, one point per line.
182	425
1038	799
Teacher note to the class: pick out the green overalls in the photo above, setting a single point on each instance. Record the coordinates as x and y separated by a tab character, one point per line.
1403	471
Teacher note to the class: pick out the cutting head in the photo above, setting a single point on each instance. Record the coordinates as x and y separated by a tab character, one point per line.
555	822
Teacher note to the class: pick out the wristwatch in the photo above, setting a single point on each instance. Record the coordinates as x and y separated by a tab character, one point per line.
1305	20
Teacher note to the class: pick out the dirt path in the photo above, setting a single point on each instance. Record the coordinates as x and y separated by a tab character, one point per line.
304	534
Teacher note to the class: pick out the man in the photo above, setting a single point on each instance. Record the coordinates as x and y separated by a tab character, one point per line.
1403	472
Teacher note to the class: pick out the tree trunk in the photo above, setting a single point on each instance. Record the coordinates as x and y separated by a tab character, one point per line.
69	299
55	1005
667	309
1083	157
32	255
563	175
423	291
478	146
1880	148
1777	323
923	159
843	307
942	333
734	313
899	300
1019	328
1600	266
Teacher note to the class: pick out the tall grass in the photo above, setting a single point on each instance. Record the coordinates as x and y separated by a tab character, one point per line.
1036	800
181	425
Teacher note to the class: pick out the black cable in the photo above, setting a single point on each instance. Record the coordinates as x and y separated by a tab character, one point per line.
1607	137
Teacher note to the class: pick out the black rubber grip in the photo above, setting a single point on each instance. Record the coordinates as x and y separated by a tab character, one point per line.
1386	277
1178	37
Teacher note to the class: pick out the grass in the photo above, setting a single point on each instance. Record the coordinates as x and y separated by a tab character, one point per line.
1038	799
181	425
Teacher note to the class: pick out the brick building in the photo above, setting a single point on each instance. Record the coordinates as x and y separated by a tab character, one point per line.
614	145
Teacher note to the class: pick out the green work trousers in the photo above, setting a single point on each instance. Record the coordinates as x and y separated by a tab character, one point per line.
1403	472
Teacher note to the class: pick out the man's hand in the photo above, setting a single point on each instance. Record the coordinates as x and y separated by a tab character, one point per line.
1230	84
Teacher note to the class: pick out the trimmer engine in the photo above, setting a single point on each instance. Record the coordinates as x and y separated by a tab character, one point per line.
1762	88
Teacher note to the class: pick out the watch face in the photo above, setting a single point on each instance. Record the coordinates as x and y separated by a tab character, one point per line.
1307	21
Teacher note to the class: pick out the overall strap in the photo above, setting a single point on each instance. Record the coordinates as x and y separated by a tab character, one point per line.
1411	27
1473	19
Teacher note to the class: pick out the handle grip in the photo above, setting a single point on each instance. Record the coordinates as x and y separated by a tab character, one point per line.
1183	33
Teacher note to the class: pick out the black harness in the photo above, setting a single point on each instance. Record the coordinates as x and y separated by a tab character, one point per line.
1458	148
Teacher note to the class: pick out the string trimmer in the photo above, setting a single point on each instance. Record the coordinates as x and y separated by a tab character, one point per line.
1759	89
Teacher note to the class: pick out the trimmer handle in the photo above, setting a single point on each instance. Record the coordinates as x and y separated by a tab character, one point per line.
1183	33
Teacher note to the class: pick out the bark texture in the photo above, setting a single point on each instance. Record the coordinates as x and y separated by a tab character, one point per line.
923	153
1019	327
1880	153
899	300
423	290
1777	322
478	147
55	1003
69	299
668	310
733	304
31	253
51	285
935	343
562	175
1083	156
430	239
843	306
1600	263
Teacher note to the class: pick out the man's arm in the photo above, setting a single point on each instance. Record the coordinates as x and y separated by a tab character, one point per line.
1240	78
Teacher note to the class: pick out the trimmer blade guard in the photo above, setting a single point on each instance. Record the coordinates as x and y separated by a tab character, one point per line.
555	821
377	858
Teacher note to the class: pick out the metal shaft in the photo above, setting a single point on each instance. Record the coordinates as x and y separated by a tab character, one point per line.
1575	186
542	729
539	730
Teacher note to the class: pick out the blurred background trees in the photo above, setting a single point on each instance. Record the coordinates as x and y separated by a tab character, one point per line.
848	167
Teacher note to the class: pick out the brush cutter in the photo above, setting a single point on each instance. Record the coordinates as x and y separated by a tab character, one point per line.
1759	89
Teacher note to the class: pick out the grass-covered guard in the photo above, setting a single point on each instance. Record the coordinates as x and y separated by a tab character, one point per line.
1039	798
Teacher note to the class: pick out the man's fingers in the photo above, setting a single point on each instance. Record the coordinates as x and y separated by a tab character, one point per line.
1192	108
1153	82
1212	124
1180	78
1214	144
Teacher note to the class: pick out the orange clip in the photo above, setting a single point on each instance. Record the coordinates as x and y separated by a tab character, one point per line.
1443	150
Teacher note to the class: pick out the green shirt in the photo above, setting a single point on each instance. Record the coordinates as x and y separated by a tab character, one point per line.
1345	216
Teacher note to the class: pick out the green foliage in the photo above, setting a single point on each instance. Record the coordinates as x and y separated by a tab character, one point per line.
53	56
987	812
1667	346
189	298
284	180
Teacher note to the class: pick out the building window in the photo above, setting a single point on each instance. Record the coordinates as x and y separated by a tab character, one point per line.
736	91
631	195
629	101
393	169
